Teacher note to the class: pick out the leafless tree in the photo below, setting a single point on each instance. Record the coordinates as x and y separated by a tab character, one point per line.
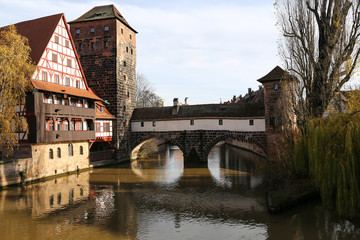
320	47
145	93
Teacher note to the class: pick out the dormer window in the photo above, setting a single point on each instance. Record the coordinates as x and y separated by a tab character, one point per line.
102	109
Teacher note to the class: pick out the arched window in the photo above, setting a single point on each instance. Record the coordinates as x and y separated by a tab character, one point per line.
70	150
58	152
81	150
51	154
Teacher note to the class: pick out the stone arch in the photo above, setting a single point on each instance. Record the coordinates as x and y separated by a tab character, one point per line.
248	143
142	139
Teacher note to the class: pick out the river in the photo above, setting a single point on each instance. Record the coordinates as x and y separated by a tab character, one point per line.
159	199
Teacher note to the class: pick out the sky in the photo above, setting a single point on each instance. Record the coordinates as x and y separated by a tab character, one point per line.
206	50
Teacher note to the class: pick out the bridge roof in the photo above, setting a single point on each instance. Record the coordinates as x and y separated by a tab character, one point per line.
246	110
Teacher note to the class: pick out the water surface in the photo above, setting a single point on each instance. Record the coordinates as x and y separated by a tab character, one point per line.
159	199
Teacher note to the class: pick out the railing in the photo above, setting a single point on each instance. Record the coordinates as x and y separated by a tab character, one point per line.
60	136
57	109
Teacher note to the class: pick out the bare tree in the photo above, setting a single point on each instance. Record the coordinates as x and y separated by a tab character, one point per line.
145	93
320	48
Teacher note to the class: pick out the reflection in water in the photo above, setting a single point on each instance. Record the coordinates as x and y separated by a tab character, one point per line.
159	199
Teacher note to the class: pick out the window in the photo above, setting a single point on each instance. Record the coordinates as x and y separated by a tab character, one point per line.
124	77
131	52
251	122
80	46
192	122
59	124
85	127
106	28
105	44
130	36
54	58
220	122
44	76
154	124
59	198
67	81
92	45
70	150
50	125
92	29
124	108
98	127
51	200
276	86
51	153
128	94
69	63
127	49
124	63
80	126
77	84
77	31
67	43
57	79
122	31
58	152
57	39
142	124
101	109
106	127
65	102
86	104
72	125
81	150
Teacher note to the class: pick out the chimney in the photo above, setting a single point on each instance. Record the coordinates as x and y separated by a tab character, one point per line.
186	100
249	92
176	107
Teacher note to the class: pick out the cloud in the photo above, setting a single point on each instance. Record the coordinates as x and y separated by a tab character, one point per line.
207	51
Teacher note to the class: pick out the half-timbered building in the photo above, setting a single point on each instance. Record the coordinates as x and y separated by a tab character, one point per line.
60	109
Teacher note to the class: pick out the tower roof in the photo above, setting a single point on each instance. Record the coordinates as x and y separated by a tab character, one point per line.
38	32
274	75
102	12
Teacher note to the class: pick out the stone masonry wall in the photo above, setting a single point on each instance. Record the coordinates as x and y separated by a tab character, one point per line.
109	62
203	141
41	166
271	96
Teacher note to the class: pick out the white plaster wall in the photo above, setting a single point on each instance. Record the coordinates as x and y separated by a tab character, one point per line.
242	125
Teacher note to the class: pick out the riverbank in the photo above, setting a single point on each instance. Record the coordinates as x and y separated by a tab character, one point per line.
282	198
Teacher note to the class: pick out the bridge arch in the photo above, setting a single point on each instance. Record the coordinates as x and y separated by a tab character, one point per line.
242	140
141	139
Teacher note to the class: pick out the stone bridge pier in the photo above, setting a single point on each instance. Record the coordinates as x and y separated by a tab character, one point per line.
197	144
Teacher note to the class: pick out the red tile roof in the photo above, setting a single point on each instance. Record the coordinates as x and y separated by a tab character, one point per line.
105	114
38	32
53	87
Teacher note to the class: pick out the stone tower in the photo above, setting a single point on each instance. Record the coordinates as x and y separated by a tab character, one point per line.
272	91
106	45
